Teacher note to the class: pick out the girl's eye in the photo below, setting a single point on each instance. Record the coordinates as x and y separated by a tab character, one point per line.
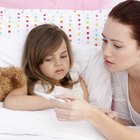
63	56
48	60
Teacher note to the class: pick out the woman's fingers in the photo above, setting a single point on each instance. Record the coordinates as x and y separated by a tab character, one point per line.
59	104
66	115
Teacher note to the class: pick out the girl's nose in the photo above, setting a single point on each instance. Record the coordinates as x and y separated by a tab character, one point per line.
58	62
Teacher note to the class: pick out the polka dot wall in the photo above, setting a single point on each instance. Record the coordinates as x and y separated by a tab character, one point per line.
70	28
1	19
82	27
18	21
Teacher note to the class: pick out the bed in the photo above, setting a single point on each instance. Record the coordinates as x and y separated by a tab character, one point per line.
41	125
83	28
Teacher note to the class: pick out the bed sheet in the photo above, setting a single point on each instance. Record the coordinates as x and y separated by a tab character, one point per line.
37	137
43	125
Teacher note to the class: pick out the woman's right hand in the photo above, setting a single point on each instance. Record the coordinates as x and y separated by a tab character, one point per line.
73	109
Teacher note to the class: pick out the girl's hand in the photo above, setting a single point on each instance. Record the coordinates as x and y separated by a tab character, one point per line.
111	114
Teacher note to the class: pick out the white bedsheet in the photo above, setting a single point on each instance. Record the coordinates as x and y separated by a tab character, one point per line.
42	125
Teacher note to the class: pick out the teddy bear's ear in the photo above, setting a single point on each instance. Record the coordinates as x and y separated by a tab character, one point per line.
19	79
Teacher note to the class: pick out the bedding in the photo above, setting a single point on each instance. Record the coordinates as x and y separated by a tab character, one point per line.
43	124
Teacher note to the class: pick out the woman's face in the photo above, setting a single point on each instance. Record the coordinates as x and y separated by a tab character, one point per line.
56	65
120	50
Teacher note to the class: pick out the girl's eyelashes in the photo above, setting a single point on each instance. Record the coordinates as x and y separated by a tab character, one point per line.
64	56
53	59
48	59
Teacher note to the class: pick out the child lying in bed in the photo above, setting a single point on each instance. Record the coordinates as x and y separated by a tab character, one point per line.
47	60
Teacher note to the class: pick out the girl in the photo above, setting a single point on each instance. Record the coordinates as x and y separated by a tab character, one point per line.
47	60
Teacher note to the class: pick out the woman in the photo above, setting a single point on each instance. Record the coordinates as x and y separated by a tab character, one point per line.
121	50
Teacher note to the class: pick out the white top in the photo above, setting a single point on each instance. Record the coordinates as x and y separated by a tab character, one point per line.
76	89
122	103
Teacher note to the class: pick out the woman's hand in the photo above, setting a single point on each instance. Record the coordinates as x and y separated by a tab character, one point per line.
73	109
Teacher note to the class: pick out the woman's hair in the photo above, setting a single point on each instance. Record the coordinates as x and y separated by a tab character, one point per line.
42	41
128	13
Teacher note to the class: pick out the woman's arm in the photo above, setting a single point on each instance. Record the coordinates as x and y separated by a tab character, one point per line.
19	99
79	109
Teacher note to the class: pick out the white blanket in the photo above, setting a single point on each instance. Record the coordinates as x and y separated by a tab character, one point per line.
43	124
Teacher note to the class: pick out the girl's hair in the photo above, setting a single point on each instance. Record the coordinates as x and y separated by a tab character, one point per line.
128	13
42	41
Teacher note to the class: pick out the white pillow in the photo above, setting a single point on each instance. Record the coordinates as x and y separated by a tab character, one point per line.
91	67
83	28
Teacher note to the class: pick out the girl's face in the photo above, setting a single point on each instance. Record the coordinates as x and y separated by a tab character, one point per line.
120	50
56	65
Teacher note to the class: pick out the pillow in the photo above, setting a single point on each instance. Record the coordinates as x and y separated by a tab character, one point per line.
83	28
92	69
57	4
44	123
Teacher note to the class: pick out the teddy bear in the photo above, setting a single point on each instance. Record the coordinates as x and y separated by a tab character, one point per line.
10	79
